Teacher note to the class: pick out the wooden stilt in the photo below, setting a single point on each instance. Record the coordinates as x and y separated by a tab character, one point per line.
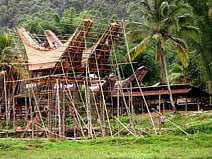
14	114
58	107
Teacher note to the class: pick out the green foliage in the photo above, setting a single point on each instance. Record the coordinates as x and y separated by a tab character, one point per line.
39	21
163	22
138	49
148	60
167	146
5	42
11	11
200	128
177	74
202	10
172	16
6	52
196	70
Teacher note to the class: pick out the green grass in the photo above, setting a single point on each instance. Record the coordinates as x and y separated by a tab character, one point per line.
198	144
165	146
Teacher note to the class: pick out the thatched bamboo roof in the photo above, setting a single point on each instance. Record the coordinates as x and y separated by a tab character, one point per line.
45	58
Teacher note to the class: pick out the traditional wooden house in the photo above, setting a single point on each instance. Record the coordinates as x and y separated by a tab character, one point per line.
186	97
60	88
56	75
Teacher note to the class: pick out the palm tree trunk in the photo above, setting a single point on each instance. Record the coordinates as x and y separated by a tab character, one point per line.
163	73
164	67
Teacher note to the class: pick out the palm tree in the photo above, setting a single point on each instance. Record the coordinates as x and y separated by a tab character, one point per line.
177	74
163	22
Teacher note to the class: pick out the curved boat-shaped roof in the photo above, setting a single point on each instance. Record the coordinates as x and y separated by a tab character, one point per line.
46	58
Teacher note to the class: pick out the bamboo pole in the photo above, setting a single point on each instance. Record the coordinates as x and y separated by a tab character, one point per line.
63	112
126	128
36	103
97	112
58	106
30	110
103	99
173	123
118	107
151	119
88	110
77	115
6	104
49	118
132	109
126	106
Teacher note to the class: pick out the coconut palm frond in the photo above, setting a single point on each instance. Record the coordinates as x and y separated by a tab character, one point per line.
185	19
180	42
191	31
137	35
163	8
179	9
177	74
134	52
4	41
133	29
176	78
148	8
131	26
176	68
182	51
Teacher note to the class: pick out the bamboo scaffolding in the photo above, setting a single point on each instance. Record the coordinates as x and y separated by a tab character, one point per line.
138	82
60	93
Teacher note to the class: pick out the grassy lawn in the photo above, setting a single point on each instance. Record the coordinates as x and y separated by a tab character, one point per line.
166	146
198	144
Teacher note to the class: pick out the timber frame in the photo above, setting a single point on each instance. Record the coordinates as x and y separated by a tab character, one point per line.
66	94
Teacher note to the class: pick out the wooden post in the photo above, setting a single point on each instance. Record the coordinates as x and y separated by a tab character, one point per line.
186	104
159	102
30	111
103	117
63	112
14	123
24	108
58	106
118	107
131	111
88	109
6	104
49	107
198	105
164	106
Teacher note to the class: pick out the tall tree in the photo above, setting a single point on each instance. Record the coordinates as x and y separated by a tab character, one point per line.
203	12
163	22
